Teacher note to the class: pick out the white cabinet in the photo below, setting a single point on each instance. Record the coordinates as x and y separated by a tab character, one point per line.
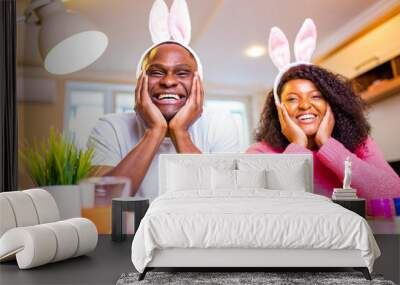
368	51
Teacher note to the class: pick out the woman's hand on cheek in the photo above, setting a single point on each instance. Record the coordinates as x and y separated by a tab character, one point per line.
289	128
325	128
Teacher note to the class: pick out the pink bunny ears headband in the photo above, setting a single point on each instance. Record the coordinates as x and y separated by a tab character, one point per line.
279	51
170	26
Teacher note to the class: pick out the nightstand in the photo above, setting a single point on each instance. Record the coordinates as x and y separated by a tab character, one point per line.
355	205
129	204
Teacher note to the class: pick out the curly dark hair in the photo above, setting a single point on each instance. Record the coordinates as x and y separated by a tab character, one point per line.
351	126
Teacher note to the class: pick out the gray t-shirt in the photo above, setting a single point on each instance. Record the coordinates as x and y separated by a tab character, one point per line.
115	135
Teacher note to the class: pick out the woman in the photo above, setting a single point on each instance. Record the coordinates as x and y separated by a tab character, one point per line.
319	113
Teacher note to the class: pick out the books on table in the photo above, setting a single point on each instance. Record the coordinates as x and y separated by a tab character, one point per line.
344	194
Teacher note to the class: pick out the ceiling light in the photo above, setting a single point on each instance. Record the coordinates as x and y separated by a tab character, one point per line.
68	42
255	51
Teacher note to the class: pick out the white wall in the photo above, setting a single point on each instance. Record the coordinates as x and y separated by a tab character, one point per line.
384	117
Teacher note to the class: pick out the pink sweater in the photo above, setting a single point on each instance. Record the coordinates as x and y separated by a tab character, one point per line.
372	176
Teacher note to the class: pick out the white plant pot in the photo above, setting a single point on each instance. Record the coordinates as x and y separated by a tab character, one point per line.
67	198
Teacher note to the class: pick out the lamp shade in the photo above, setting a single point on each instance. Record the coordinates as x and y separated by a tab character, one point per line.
68	42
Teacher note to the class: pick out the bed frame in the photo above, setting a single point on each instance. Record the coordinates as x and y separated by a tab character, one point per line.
244	259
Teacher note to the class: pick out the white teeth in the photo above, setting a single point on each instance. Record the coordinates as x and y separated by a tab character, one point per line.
168	96
307	117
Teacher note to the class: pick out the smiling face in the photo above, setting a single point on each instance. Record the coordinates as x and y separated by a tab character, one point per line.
170	69
305	104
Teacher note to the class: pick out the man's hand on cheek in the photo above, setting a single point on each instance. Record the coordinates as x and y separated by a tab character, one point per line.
191	111
146	109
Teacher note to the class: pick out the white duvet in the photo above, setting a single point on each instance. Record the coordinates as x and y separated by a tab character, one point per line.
250	219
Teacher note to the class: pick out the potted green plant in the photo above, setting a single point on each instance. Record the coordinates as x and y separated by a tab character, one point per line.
57	165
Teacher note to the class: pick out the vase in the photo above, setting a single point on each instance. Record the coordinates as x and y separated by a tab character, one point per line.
96	197
67	198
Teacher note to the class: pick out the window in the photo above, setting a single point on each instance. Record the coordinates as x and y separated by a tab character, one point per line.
238	110
124	102
85	107
86	102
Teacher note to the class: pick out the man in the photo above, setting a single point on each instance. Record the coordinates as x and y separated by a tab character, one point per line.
168	115
168	118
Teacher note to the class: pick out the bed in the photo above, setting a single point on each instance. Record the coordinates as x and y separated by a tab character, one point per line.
240	210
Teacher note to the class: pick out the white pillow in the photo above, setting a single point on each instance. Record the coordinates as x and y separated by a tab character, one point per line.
251	179
223	179
181	177
292	179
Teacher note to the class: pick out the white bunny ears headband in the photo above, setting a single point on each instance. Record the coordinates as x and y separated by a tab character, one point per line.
279	51
170	26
